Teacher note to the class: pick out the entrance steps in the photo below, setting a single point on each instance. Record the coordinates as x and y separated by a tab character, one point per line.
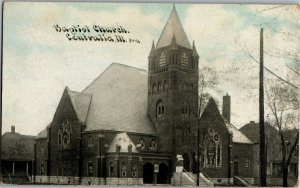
188	179
240	181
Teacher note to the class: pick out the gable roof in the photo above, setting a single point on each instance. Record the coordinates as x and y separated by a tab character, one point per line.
237	136
81	103
211	111
17	147
174	28
120	99
123	140
43	133
251	130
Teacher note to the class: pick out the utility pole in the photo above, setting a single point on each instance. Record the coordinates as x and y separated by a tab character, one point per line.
262	145
198	156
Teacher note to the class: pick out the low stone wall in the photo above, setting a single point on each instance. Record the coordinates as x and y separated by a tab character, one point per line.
222	181
65	180
92	181
124	181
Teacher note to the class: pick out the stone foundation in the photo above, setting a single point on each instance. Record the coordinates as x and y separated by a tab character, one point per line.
222	181
65	180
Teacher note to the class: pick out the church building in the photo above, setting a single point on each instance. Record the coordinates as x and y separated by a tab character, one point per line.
131	126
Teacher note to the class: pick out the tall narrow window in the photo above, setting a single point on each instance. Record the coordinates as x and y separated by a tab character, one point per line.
142	144
218	164
64	134
152	145
247	163
42	169
159	86
134	170
90	169
90	142
154	89
211	154
160	110
185	109
184	59
111	169
123	170
163	59
165	86
213	151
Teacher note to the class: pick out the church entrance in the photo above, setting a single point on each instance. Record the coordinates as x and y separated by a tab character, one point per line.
162	176
186	162
148	171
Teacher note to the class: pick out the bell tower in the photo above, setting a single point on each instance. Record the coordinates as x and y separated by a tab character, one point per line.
173	88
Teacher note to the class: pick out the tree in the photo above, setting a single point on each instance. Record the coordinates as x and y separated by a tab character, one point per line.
208	79
284	105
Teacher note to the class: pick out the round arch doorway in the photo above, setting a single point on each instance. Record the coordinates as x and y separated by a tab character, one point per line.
162	176
148	170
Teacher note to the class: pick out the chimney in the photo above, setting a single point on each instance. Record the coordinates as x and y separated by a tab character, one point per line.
226	107
13	129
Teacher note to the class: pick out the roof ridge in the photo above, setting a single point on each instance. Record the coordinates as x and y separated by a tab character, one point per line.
112	64
80	93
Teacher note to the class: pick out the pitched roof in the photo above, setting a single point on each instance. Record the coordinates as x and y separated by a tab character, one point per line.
81	103
17	147
123	140
43	133
251	130
172	28
237	136
211	111
119	101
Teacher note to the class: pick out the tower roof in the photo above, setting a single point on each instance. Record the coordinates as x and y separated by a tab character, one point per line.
173	27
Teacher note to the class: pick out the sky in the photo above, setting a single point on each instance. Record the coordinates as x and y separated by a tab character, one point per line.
39	62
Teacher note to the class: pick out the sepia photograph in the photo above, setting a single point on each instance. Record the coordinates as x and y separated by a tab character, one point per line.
150	94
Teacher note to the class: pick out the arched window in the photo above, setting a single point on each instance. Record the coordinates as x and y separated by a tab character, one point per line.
152	145
211	154
111	169
159	86
64	134
134	170
160	109
123	170
154	89
142	144
162	59
213	151
165	86
90	142
184	59
185	109
192	87
42	169
247	163
180	86
90	169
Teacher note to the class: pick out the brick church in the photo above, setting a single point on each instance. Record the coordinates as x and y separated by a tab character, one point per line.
131	126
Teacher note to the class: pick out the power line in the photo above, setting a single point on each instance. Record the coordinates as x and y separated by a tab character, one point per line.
273	73
271	8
